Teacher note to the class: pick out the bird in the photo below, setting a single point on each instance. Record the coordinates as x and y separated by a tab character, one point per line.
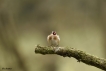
53	39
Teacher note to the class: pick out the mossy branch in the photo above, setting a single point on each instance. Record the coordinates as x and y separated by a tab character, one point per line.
72	52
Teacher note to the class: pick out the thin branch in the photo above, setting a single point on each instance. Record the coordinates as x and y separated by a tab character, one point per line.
72	52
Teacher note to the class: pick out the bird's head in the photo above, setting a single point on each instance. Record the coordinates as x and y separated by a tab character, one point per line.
53	32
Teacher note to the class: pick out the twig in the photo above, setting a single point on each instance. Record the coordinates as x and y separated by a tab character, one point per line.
72	52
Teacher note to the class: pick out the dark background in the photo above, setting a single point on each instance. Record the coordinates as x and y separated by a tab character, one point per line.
80	24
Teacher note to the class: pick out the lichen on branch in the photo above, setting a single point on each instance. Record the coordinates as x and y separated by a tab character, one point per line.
81	56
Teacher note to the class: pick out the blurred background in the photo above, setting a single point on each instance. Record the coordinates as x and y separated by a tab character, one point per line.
80	24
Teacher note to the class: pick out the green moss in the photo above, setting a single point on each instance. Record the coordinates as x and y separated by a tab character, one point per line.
72	52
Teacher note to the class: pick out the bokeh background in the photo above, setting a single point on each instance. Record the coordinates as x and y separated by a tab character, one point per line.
80	24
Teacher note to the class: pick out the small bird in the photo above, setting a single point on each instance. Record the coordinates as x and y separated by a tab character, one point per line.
53	39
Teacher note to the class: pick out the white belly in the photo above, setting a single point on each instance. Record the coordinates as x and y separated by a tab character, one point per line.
54	43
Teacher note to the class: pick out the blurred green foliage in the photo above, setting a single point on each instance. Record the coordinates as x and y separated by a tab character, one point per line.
24	23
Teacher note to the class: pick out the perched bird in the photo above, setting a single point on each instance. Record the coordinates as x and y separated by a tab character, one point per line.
53	39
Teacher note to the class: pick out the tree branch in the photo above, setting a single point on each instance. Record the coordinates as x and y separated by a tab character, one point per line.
72	52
